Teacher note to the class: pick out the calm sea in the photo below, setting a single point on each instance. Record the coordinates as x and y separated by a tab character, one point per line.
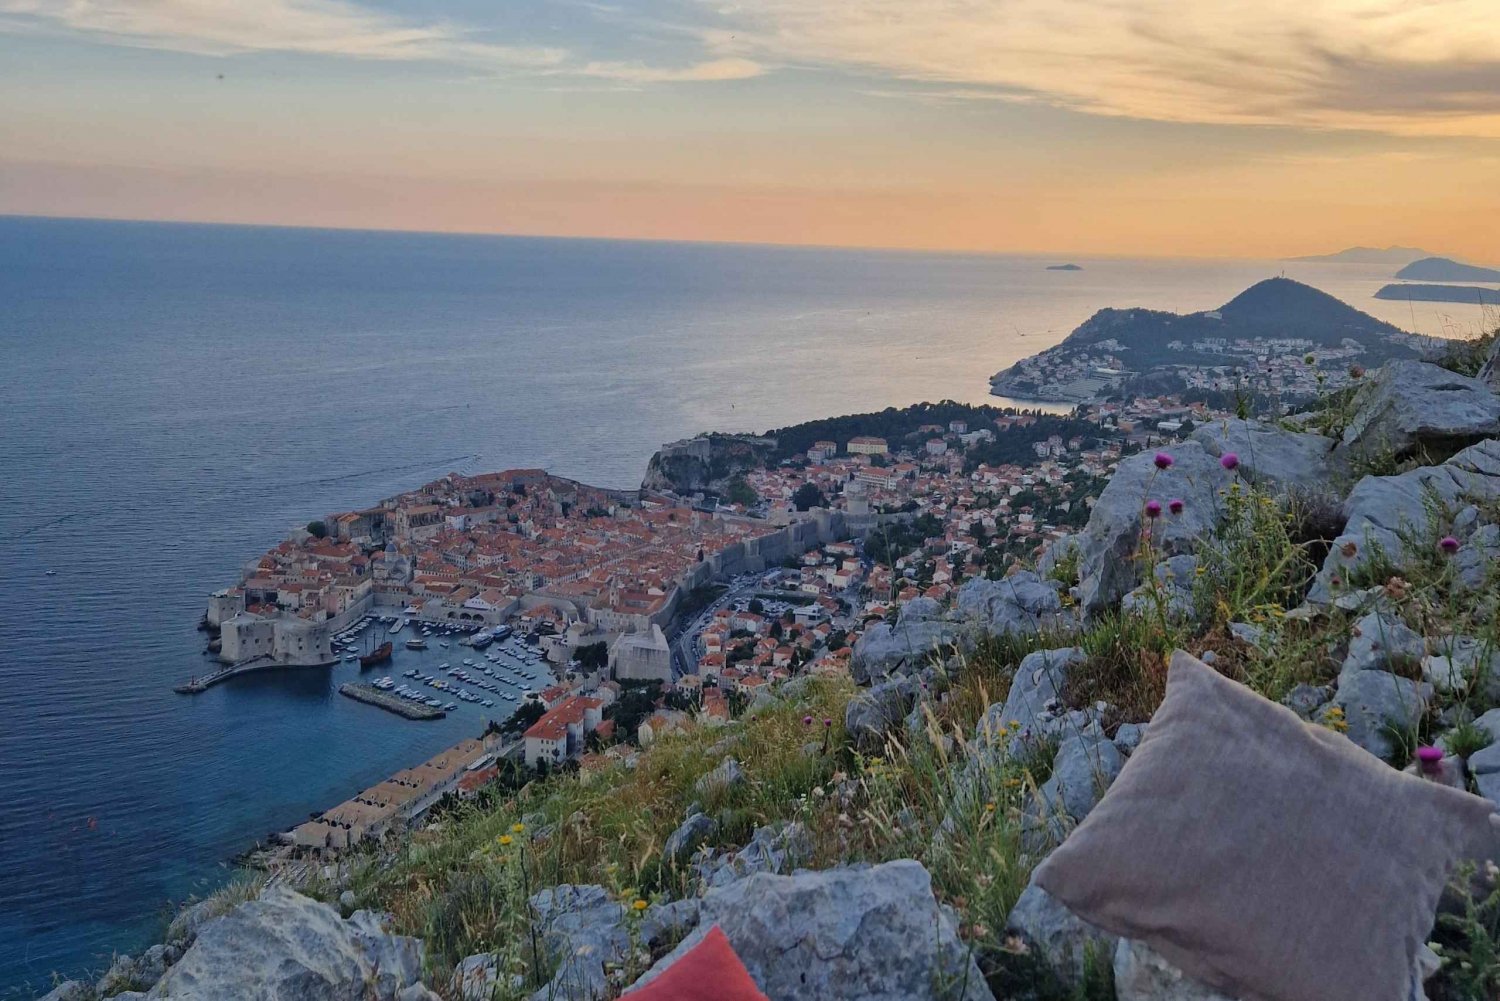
174	398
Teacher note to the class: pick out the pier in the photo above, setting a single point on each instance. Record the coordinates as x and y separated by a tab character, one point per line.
204	682
371	695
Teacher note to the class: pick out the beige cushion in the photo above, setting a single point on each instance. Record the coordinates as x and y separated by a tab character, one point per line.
1270	859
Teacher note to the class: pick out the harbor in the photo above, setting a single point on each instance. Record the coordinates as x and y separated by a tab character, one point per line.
370	695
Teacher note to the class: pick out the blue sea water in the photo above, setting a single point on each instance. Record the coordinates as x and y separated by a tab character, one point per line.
174	398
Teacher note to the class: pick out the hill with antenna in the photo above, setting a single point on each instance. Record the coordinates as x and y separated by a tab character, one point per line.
1253	337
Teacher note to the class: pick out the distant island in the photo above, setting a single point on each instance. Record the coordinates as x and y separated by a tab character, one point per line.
1443	269
1390	256
1260	341
1064	267
1416	292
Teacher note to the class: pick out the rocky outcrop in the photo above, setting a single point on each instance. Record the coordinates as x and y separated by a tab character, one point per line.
705	463
1068	944
1021	604
862	933
694	832
1109	544
1387	514
285	945
1293	462
1409	406
1033	708
884	650
583	930
878	711
1376	703
775	848
1141	974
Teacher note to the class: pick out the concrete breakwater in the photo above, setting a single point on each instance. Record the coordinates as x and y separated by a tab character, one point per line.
371	695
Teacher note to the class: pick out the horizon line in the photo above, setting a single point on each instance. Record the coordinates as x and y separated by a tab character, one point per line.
493	234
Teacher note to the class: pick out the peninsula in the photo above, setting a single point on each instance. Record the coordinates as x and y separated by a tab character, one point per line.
1278	337
1422	292
1442	269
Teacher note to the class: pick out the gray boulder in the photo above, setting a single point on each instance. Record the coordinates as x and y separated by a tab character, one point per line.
1109	543
1387	514
1380	642
1169	594
671	920
1034	701
477	978
1475	561
1085	767
1375	702
872	715
865	933
1064	940
726	775
692	835
775	848
1408	405
1306	700
582	930
920	610
1022	604
285	945
1141	974
70	990
191	919
1129	736
1292	462
883	649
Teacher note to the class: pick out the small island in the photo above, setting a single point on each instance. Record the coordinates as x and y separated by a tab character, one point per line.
1064	267
1443	269
1388	256
1418	292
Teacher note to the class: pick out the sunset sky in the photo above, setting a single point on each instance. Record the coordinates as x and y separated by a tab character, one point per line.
1255	128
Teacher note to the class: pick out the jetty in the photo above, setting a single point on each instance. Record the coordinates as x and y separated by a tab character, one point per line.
371	695
203	683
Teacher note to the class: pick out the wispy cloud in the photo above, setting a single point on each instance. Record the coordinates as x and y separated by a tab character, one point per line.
335	28
1399	66
713	69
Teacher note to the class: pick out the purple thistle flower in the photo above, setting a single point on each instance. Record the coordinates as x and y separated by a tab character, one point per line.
1153	509
1448	545
1429	754
1230	461
807	721
1162	460
827	722
1175	505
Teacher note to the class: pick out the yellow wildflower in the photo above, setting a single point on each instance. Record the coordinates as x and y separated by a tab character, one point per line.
505	839
989	808
517	828
639	905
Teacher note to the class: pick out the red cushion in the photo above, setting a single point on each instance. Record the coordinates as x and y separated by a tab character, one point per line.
709	971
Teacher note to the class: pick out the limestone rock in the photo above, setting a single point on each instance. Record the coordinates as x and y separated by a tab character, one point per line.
1108	544
1380	642
884	649
874	713
477	977
920	609
693	834
865	933
775	848
726	775
1085	766
70	990
1284	461
1141	974
1373	702
285	945
1129	736
673	920
1033	701
1306	700
191	919
1021	604
1408	405
582	929
1065	941
1383	512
